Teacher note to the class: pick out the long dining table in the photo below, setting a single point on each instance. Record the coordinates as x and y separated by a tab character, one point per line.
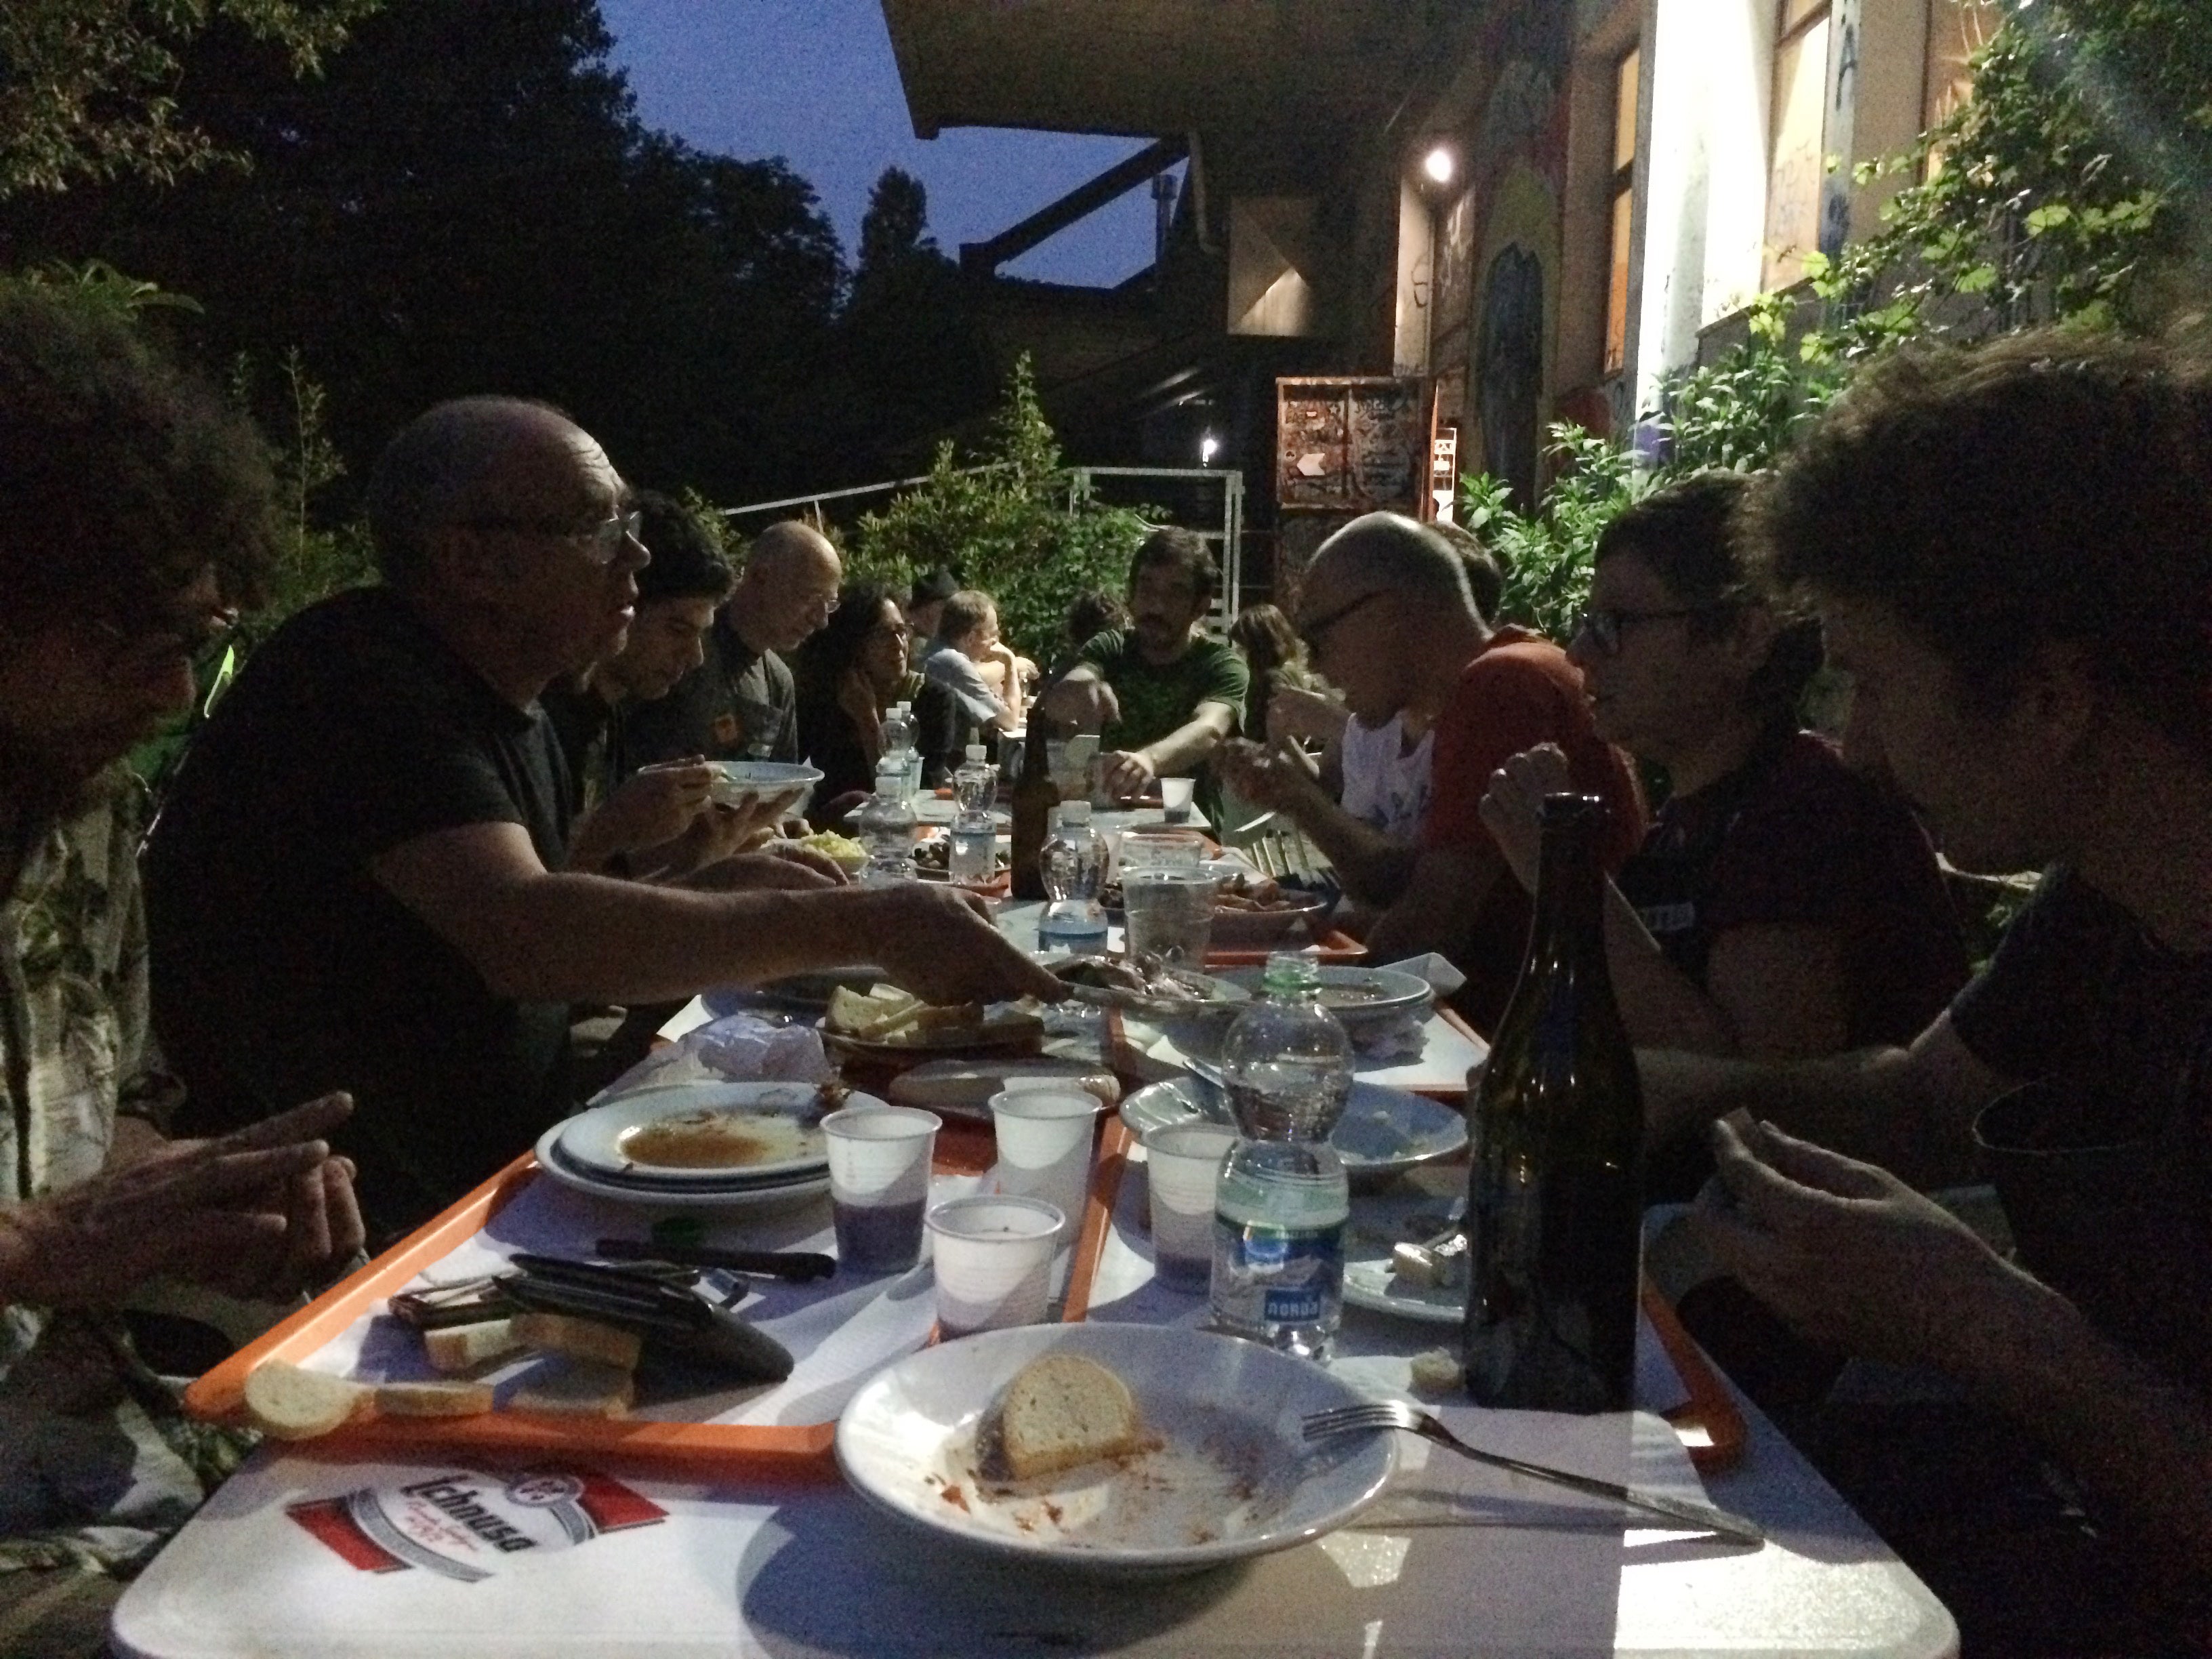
721	1561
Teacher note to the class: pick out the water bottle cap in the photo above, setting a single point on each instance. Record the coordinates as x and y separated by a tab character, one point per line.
1290	970
1073	812
903	707
976	751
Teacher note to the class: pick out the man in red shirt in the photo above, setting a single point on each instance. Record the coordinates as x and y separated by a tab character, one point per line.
1386	615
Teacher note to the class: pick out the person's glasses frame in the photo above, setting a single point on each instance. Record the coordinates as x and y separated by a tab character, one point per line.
1606	625
1314	635
602	542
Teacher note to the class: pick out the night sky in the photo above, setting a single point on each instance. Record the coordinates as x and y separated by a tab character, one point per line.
814	82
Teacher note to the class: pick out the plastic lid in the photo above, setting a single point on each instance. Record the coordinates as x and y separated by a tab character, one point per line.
976	752
903	707
1073	812
1290	970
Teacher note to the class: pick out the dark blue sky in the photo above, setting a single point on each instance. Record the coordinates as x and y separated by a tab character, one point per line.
814	82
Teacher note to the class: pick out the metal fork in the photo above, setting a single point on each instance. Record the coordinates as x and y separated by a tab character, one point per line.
1397	1414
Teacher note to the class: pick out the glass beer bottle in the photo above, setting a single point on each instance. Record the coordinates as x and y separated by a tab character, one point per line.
1554	1201
1035	796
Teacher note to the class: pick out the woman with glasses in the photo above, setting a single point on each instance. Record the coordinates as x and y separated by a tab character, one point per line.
1781	905
848	675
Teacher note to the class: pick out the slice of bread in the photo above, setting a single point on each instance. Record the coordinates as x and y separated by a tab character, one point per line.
575	1388
433	1399
582	1339
290	1403
460	1347
1061	1410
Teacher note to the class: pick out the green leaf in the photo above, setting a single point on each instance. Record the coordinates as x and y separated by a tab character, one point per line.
1981	278
2044	218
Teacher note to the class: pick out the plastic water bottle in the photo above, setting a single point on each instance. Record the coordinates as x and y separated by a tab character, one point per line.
1073	859
886	823
1281	1209
975	855
975	785
898	745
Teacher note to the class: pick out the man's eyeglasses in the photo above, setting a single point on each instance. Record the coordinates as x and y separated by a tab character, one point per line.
1315	633
1605	627
602	542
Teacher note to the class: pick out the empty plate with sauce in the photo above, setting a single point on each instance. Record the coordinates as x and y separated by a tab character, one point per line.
716	1132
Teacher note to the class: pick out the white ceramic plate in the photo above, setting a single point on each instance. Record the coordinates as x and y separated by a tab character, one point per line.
1383	1132
781	1118
1357	996
744	783
1232	1477
787	1194
1380	1220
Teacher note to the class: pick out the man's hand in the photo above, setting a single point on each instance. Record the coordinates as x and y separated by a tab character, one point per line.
1845	1252
265	1204
1513	809
1128	773
939	942
1279	777
652	807
1082	697
1304	715
808	858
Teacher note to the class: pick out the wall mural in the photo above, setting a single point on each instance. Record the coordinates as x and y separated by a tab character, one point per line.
1454	289
1508	370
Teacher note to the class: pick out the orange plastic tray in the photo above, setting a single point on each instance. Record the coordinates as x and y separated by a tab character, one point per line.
1333	947
799	1450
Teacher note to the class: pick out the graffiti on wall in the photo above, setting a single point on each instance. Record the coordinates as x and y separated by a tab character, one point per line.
1508	370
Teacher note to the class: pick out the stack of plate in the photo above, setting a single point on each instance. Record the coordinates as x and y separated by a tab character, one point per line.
699	1145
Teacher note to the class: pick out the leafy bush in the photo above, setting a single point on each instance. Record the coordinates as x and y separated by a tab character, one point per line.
1009	522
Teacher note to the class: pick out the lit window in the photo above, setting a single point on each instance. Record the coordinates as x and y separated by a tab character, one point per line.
1797	163
1623	216
1957	29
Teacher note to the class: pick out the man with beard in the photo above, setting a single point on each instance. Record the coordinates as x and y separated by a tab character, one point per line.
134	512
362	874
1162	694
741	703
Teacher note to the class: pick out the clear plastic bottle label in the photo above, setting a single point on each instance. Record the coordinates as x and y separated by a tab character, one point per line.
1284	1276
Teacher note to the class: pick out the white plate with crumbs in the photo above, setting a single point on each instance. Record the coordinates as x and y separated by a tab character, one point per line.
706	1133
1224	1472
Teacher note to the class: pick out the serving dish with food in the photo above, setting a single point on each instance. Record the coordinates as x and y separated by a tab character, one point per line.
888	1023
1144	984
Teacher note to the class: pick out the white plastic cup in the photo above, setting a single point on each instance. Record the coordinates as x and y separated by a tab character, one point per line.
994	1262
879	1158
1174	797
1182	1168
1044	1137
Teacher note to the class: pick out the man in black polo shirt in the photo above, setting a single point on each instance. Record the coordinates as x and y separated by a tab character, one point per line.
741	703
359	876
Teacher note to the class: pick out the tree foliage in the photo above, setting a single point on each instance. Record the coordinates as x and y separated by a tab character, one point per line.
1008	521
88	87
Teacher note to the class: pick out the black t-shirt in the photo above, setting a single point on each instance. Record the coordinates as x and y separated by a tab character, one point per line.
283	970
738	704
2106	1173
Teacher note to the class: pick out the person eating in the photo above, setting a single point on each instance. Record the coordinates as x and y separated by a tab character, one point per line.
359	876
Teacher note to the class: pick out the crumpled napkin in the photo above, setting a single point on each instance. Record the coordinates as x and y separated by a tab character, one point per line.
735	1048
1394	1039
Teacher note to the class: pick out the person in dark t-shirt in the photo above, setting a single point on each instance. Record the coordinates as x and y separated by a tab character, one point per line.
741	703
1781	905
2010	551
361	878
1163	694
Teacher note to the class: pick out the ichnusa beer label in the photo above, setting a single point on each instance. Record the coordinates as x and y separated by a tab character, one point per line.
469	1525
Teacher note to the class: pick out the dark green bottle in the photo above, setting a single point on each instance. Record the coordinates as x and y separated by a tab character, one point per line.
1555	1196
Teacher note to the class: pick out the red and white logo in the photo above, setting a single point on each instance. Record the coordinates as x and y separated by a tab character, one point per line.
469	1525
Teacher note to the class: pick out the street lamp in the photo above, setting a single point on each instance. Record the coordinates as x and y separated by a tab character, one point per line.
1208	446
1439	164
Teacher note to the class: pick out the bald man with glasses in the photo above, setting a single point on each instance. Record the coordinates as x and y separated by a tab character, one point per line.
1388	617
363	869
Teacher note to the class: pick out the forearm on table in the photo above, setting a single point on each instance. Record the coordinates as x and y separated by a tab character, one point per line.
571	938
1435	910
1186	748
1370	866
2139	1443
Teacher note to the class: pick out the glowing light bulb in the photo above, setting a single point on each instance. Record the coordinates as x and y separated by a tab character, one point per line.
1438	165
1208	446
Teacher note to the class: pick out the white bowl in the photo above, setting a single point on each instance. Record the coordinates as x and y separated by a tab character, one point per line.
1233	1477
743	783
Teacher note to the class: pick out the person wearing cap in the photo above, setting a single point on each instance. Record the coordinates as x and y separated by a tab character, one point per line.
926	604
